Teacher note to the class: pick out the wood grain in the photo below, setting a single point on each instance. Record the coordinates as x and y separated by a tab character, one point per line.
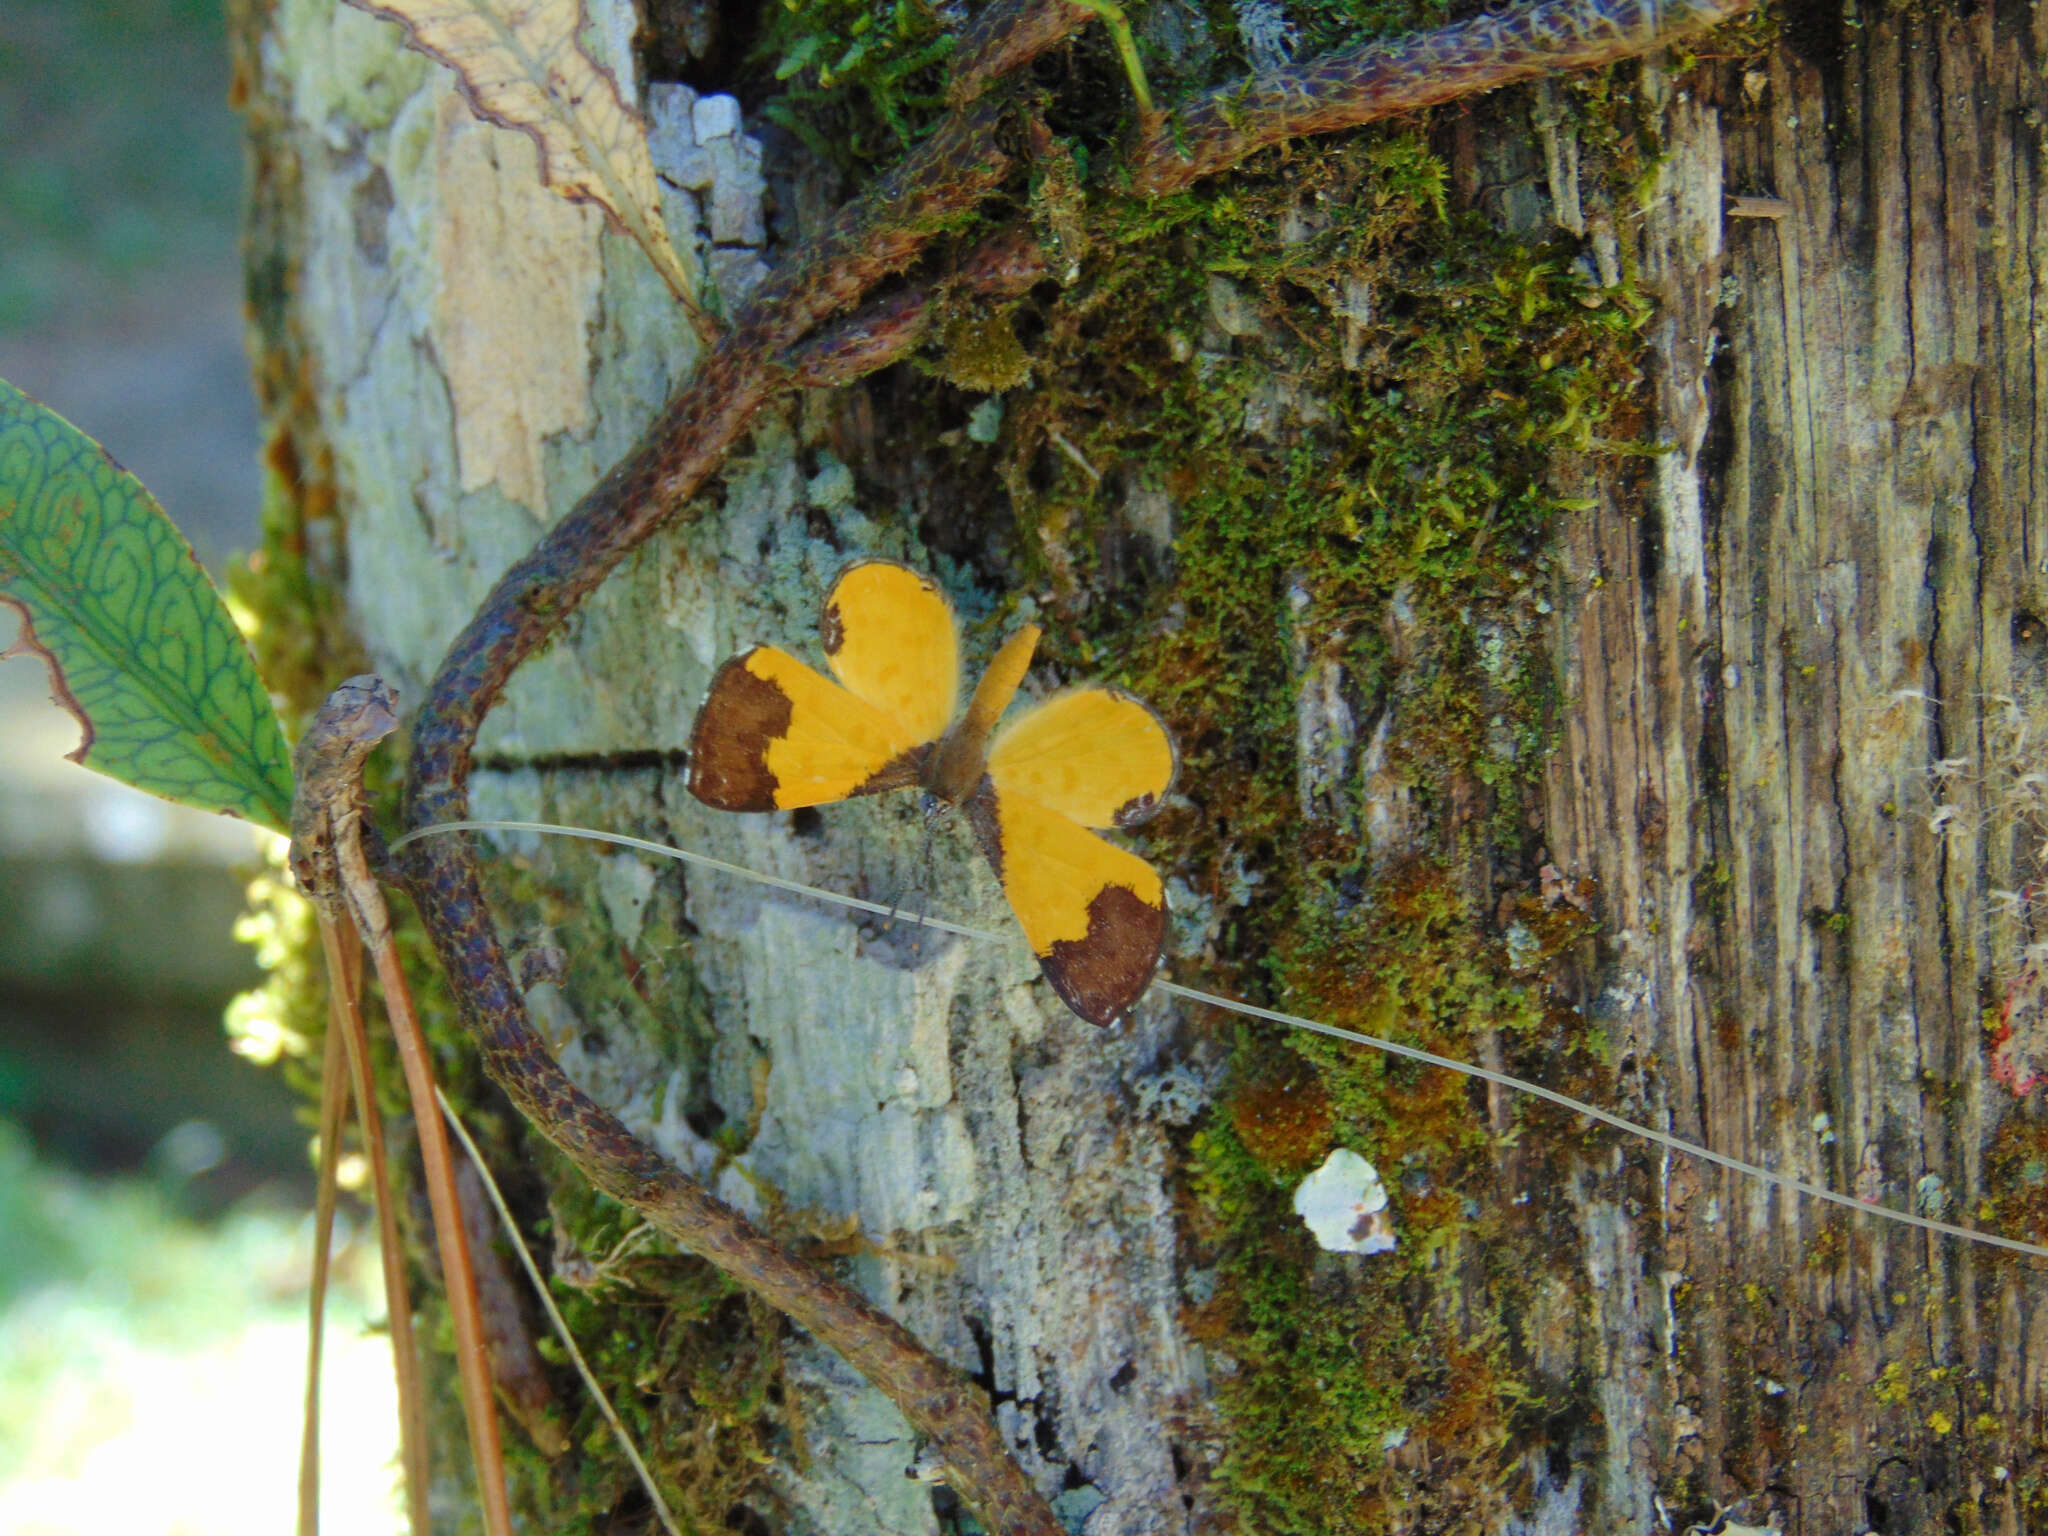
1764	665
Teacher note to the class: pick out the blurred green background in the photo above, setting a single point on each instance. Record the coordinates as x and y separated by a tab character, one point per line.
154	1241
121	163
120	186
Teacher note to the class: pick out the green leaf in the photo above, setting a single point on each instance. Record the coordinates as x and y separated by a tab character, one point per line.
141	650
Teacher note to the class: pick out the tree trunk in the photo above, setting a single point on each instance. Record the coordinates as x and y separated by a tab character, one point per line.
1777	686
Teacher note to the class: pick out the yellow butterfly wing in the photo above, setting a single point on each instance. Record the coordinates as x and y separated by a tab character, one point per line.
1093	913
774	734
890	638
1094	754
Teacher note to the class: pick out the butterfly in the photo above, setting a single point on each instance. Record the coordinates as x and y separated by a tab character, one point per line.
775	734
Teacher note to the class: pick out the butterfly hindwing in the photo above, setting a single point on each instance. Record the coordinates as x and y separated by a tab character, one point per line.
774	734
1093	913
890	638
1094	754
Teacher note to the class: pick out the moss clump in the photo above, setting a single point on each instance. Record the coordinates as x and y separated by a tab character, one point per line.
1340	1364
979	351
295	621
1349	399
1281	1114
281	1021
1304	1372
861	79
692	1365
2016	1171
1406	962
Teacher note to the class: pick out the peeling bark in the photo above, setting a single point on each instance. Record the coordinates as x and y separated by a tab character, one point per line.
978	1143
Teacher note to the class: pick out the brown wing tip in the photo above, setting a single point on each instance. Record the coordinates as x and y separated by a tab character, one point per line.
741	715
1144	807
831	626
1103	973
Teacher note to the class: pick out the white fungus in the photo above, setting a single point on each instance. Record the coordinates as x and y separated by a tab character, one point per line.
1345	1205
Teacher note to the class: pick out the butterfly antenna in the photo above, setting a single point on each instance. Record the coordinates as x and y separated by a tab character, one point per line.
917	889
925	883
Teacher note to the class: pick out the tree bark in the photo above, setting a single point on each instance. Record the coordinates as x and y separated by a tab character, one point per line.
1830	594
1799	660
470	353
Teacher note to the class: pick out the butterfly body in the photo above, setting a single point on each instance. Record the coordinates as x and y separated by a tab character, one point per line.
775	734
958	761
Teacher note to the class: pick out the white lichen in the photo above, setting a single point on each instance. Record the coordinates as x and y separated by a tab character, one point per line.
1269	37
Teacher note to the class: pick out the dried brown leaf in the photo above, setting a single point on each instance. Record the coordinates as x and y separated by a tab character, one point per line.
522	65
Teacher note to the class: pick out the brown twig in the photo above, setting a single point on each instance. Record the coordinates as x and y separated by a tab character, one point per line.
330	864
1219	128
333	1112
321	769
1005	37
344	956
1001	268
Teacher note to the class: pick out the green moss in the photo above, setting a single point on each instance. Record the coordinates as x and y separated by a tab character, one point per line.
2016	1175
1336	1360
295	622
1407	467
692	1366
1354	399
861	79
1330	1365
1306	1376
978	350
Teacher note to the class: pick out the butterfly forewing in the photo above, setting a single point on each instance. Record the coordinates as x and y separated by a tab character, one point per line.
774	734
890	637
1094	754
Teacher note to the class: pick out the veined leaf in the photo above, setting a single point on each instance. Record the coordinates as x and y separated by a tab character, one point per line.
140	647
522	65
